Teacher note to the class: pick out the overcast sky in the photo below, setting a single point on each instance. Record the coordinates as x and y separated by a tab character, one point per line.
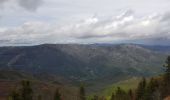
31	22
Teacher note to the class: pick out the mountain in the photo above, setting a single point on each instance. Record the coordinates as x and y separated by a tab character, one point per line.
78	62
158	48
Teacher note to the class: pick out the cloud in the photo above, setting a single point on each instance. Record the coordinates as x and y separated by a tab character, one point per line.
2	1
30	5
123	27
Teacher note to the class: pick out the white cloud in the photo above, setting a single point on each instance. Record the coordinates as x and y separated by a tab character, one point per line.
90	30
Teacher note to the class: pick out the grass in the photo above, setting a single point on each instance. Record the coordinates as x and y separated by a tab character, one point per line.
127	84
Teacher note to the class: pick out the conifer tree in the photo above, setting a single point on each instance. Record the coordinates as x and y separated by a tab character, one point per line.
57	95
130	93
167	70
140	92
151	89
112	97
26	91
165	86
14	96
120	94
39	97
95	97
82	95
167	64
102	98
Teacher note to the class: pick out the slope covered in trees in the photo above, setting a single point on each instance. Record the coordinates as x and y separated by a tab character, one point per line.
94	64
83	62
156	88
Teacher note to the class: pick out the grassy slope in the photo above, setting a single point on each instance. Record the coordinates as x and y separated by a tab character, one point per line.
127	84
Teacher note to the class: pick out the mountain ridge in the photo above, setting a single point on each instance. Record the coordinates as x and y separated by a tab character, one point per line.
82	62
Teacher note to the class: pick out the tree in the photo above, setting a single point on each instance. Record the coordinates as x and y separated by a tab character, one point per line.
112	97
130	93
151	89
140	92
39	97
95	98
167	70
121	94
57	95
26	91
167	64
102	98
14	96
165	86
82	95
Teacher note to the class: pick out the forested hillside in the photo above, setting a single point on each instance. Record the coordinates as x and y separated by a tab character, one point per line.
83	62
155	88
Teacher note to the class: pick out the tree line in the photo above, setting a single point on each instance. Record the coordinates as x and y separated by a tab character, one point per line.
26	93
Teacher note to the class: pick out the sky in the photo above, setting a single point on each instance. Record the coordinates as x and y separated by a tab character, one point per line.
32	22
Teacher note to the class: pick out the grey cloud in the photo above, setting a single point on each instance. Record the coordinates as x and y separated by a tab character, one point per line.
30	5
166	17
3	1
4	41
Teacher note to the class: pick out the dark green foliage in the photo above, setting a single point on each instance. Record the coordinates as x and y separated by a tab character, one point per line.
130	94
26	91
151	90
167	72
167	64
14	96
121	94
112	97
102	98
140	92
165	85
57	95
39	91
39	97
95	98
82	95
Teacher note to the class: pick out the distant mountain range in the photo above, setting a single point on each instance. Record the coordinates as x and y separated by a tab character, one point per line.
90	62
